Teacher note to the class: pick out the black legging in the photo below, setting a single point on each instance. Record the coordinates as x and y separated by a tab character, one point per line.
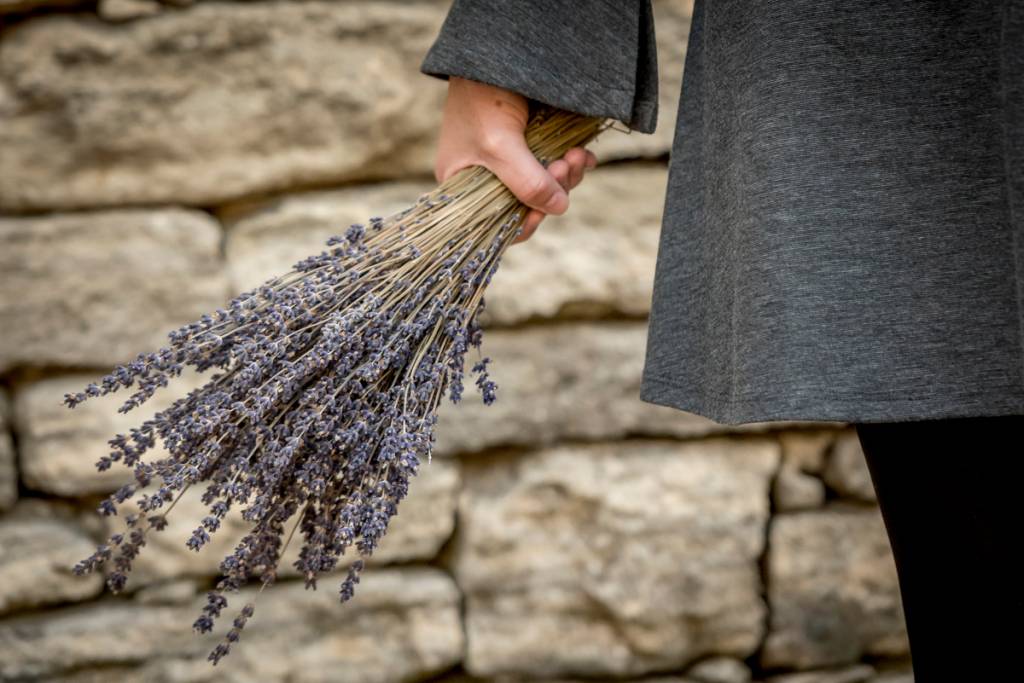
951	493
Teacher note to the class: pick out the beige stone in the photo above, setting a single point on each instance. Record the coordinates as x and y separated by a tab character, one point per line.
425	521
97	288
798	485
566	380
401	624
265	239
720	670
215	102
613	559
173	592
125	10
906	676
38	548
832	589
129	675
596	259
645	679
60	446
858	673
847	471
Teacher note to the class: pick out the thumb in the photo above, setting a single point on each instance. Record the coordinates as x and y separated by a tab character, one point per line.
527	178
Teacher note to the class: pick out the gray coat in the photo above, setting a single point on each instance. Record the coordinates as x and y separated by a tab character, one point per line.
843	230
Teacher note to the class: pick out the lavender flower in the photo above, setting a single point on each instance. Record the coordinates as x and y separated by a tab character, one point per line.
325	387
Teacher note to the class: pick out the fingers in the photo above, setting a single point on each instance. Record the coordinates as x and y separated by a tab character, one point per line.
562	171
533	219
515	165
568	172
575	158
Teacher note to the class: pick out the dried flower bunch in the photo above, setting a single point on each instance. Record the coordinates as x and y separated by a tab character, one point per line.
327	383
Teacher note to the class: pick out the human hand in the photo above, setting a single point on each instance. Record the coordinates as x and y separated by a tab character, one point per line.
484	125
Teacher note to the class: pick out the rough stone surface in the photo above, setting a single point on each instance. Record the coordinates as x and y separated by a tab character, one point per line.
859	673
720	670
613	559
798	485
832	589
895	677
265	239
38	548
98	287
59	446
847	472
596	259
127	675
401	625
425	520
124	10
174	592
8	469
645	679
214	102
570	380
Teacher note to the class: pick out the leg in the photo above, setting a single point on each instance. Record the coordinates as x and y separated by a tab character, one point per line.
950	492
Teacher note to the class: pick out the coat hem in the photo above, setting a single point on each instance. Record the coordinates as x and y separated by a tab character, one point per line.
849	408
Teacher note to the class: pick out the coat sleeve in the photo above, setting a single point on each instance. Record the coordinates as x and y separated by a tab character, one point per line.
594	57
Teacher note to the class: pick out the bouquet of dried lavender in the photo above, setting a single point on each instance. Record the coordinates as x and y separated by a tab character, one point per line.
326	388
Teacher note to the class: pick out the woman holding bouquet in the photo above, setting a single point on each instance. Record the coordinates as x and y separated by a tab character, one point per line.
842	240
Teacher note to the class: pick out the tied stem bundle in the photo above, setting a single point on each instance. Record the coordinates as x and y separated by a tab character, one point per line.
327	384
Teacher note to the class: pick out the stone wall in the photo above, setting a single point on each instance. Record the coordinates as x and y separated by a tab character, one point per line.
156	157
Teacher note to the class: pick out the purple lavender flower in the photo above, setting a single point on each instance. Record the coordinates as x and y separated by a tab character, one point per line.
324	390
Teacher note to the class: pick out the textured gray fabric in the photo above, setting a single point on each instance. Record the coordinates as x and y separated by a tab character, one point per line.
594	57
843	230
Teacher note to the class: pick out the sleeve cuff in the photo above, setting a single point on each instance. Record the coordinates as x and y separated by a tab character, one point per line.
602	65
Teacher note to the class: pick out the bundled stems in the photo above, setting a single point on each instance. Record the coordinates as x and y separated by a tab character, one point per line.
325	389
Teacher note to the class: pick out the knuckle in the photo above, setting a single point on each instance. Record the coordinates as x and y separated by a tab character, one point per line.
537	190
492	141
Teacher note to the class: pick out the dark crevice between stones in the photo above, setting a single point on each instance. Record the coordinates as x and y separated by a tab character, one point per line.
753	661
456	673
888	665
45	612
113	670
831	495
85	8
247	204
762	431
7	389
23	375
571	312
